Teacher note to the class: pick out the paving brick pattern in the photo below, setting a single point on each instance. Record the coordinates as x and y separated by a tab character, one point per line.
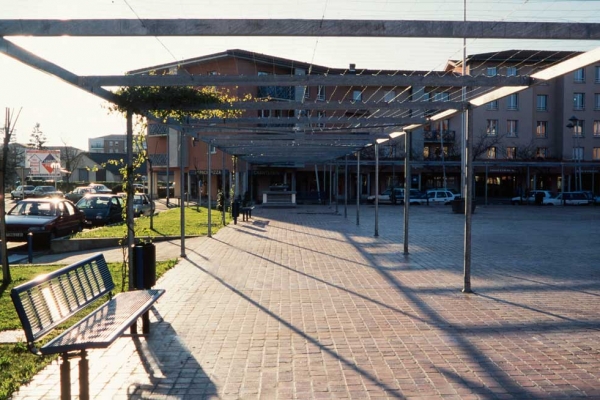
305	304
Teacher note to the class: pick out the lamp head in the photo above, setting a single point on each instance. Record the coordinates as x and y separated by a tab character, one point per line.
573	120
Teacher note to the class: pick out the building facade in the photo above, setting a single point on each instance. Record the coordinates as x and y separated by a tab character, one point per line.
525	141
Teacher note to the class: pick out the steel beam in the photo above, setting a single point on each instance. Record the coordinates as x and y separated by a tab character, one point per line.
443	80
301	27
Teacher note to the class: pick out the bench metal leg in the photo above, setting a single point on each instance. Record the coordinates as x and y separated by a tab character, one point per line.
84	377
65	377
146	322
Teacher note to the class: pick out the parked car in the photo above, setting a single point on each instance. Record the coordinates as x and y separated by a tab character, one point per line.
101	209
22	192
142	205
100	188
76	194
568	199
440	196
386	196
46	191
529	198
46	219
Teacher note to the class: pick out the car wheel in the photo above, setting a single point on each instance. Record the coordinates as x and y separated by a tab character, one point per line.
80	228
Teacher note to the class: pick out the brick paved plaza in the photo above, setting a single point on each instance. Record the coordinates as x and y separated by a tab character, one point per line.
303	303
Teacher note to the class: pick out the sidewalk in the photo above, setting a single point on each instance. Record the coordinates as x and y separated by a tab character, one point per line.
304	304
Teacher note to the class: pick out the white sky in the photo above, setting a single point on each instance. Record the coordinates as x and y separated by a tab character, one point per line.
69	115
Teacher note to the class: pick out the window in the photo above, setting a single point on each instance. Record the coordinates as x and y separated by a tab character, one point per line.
579	101
513	102
511	127
425	96
389	96
596	101
491	152
597	69
579	75
306	92
320	92
216	73
542	102
541	152
596	153
511	153
577	153
541	129
492	71
264	113
357	95
492	105
320	114
213	150
110	143
442	125
511	71
444	96
426	152
596	128
260	73
579	128
492	127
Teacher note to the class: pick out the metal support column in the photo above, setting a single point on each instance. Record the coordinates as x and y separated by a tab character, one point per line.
486	185
346	188
129	199
223	188
182	147
376	234
469	178
358	188
65	377
337	186
318	186
407	185
330	185
209	190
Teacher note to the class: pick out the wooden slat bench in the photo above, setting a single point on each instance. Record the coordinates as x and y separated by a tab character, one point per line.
49	300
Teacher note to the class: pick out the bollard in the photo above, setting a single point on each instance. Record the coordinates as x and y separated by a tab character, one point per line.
30	247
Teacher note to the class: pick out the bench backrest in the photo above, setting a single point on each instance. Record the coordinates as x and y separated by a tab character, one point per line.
50	299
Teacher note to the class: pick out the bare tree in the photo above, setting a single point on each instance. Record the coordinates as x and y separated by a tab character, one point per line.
37	139
8	131
72	158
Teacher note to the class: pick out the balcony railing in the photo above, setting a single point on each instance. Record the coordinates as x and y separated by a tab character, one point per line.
158	160
436	136
277	92
158	129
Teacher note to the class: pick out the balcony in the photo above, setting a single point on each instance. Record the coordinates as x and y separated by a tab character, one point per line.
158	160
277	92
158	129
436	136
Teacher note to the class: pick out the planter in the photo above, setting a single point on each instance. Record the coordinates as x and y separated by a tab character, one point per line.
458	206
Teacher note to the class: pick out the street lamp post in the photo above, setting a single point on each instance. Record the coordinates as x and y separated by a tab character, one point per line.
574	124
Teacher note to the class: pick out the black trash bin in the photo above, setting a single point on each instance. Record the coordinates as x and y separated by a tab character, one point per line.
144	265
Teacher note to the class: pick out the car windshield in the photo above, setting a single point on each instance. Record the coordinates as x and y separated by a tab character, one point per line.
138	200
33	208
93	203
28	187
46	188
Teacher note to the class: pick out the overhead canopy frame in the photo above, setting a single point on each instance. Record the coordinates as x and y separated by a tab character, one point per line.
305	139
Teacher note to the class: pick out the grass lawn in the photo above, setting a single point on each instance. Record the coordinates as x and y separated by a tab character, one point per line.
17	364
166	223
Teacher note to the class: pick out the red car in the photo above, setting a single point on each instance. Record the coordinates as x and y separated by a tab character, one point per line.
46	219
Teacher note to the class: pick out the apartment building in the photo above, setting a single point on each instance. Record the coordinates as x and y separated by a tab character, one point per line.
111	144
524	141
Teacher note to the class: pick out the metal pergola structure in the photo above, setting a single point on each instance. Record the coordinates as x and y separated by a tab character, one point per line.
293	142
